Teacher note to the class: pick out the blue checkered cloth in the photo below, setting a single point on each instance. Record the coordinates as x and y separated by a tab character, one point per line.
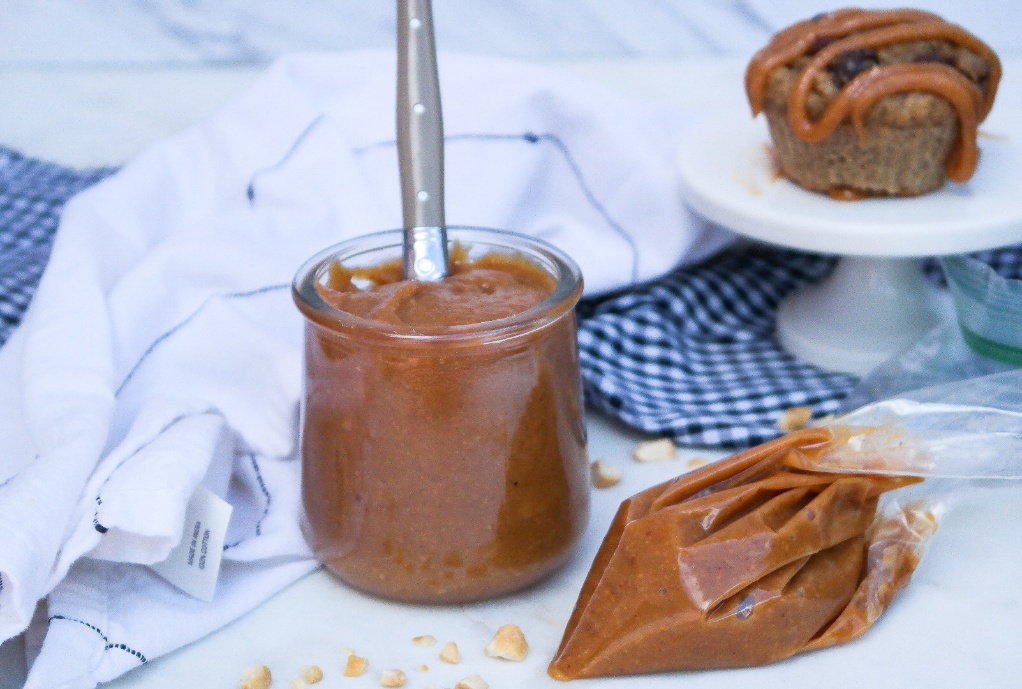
690	355
32	194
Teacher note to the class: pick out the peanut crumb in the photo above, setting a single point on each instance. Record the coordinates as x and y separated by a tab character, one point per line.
472	682
355	666
298	683
794	418
603	475
697	462
449	653
392	678
508	643
425	640
424	668
256	677
347	652
311	673
655	451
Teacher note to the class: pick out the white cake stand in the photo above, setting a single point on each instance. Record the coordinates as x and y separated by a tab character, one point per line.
876	302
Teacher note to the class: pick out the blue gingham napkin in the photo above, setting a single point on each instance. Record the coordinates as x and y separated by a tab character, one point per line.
32	193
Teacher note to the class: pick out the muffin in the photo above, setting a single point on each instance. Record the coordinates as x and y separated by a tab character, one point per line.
874	102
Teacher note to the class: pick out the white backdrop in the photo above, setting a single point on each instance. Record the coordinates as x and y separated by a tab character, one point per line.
253	32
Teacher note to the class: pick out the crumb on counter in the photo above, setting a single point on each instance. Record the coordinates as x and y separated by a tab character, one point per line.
604	475
392	678
256	677
508	643
661	450
355	666
472	682
424	640
795	418
449	653
697	462
311	674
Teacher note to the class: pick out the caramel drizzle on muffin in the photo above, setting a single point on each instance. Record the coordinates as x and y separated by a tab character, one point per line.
842	32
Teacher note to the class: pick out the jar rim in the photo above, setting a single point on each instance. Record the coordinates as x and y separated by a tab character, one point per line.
561	267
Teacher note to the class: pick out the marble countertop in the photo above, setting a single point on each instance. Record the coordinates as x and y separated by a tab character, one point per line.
93	116
63	33
955	624
88	83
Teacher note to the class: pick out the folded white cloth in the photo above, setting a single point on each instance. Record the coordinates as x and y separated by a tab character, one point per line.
162	350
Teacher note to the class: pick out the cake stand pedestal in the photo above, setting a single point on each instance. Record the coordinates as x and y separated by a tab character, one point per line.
876	302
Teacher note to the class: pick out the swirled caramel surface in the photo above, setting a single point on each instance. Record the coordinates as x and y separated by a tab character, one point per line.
841	45
441	467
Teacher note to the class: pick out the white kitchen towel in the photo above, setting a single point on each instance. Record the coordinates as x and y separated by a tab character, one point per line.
162	350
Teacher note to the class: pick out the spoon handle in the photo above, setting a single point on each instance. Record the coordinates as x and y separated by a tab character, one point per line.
420	143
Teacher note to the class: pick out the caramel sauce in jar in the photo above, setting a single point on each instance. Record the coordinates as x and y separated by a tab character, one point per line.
443	438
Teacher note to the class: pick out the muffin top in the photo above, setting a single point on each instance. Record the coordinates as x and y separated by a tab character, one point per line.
896	68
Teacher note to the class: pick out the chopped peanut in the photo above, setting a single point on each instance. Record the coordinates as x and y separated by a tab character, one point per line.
298	683
655	451
794	418
347	652
355	666
256	677
508	643
392	678
424	668
425	640
603	475
473	682
697	462
311	673
449	653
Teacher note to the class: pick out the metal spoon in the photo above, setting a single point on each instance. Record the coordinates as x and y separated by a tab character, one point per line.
420	143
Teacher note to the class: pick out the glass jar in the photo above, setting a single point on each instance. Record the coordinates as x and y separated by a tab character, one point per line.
442	463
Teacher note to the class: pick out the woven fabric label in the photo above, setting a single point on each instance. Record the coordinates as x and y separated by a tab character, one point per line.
194	565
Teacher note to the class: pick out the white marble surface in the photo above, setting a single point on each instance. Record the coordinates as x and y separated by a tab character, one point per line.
62	33
92	82
968	609
93	116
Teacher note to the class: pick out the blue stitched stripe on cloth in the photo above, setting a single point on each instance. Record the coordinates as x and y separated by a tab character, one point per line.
690	355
